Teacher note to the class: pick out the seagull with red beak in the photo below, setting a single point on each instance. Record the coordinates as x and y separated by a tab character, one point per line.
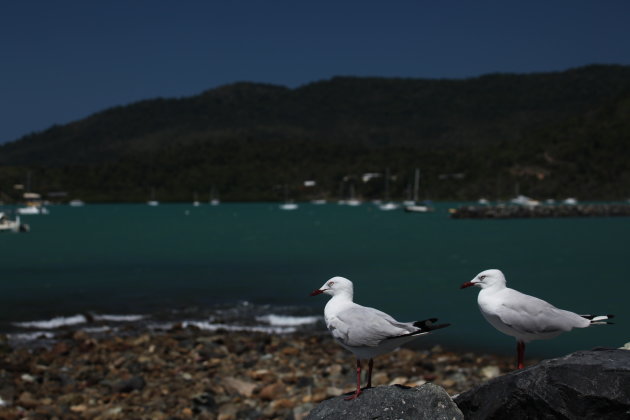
524	317
366	332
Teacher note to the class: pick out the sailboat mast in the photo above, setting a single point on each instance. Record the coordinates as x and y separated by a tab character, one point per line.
416	185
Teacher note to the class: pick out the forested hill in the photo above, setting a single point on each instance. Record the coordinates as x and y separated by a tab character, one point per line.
552	134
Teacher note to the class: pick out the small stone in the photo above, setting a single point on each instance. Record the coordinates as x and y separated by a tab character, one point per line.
128	385
78	408
27	400
272	391
239	386
448	383
334	370
399	380
282	403
80	336
290	351
333	391
380	378
28	378
490	372
416	383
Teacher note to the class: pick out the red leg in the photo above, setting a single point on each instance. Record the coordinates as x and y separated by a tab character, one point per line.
520	351
356	394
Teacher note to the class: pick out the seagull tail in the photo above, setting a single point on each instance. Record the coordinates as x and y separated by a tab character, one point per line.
429	325
424	327
599	319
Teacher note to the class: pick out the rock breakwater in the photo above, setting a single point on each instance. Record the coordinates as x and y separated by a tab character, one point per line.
558	211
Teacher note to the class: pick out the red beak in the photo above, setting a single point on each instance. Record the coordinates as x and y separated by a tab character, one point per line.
467	284
316	292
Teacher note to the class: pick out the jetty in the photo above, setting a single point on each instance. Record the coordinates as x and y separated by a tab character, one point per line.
539	211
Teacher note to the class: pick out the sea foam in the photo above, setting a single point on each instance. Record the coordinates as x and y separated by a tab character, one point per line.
288	320
208	326
57	322
119	318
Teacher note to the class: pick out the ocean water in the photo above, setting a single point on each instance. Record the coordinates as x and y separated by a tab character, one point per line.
114	268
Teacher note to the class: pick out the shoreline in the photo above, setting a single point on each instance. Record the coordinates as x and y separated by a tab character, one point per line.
193	373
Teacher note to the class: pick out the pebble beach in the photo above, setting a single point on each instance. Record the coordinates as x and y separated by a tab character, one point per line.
188	373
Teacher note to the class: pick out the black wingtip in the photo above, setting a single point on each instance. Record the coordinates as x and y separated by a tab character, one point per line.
428	325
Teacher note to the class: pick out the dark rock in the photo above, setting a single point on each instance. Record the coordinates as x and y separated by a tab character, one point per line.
428	401
4	344
304	381
583	385
204	402
128	385
248	414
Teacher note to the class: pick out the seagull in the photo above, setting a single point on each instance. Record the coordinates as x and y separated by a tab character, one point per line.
522	316
366	332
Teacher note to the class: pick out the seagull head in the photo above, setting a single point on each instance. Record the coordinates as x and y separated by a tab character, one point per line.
485	279
335	286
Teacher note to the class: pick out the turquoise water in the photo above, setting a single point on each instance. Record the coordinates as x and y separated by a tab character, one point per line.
130	259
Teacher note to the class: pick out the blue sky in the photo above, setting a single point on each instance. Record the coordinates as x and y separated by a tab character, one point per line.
63	60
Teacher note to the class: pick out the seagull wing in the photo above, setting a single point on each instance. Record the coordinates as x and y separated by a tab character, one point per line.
360	326
530	315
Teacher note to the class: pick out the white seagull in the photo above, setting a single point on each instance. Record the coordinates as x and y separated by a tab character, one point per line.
366	332
522	316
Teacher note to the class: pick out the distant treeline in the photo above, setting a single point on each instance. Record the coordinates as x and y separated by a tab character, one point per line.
548	135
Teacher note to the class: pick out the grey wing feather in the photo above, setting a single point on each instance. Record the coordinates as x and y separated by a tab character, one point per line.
528	314
361	326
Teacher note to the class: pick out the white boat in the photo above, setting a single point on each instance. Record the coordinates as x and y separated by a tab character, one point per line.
523	200
214	199
570	201
32	209
33	204
415	206
419	208
14	226
76	203
318	201
353	201
388	206
288	206
152	201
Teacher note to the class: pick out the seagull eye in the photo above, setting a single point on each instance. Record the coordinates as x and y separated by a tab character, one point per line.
482	277
330	283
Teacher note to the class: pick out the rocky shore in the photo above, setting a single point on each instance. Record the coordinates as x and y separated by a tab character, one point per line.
186	373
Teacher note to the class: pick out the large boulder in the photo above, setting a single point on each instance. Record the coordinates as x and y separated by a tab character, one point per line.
583	385
391	403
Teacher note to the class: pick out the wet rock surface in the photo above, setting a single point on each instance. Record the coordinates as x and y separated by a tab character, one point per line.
582	385
427	402
189	373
